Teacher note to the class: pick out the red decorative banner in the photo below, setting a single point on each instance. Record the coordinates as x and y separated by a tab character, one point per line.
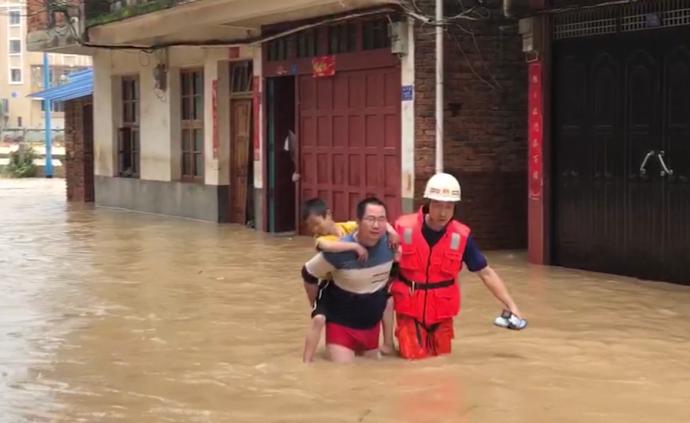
256	116
536	132
233	52
323	66
214	105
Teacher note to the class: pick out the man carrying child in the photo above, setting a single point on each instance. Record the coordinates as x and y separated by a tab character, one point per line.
353	305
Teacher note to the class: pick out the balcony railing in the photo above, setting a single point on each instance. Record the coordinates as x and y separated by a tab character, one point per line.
57	25
99	12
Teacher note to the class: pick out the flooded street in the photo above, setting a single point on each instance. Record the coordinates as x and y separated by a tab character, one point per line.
107	315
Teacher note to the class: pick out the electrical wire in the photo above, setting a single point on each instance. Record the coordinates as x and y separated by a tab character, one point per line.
409	7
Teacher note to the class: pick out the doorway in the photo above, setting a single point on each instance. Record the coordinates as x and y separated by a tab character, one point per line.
621	157
282	154
349	127
241	161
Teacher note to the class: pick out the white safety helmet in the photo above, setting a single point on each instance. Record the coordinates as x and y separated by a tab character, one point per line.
442	187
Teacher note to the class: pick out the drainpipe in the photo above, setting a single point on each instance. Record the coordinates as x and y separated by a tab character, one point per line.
439	86
48	168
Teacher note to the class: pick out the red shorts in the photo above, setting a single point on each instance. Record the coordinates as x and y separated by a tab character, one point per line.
416	341
358	340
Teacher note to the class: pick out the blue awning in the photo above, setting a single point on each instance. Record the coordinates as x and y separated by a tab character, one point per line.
80	85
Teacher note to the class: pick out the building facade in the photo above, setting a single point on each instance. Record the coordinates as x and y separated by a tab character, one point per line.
236	111
21	72
609	149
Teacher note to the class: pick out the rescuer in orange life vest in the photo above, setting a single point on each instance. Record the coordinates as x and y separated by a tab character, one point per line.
427	291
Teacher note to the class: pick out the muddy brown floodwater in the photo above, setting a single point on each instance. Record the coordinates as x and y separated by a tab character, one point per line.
108	315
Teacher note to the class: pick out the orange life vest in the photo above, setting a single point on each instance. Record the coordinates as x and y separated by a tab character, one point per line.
427	288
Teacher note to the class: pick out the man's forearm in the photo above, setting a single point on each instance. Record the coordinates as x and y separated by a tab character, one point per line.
336	246
494	283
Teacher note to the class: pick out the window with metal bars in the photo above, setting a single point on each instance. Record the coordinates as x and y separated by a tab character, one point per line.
15	17
16	76
192	123
375	34
55	106
15	46
342	38
307	43
128	132
278	49
241	74
614	18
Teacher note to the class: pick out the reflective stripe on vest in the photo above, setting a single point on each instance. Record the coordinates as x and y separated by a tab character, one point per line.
455	241
407	236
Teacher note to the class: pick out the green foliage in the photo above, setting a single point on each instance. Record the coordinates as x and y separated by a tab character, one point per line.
21	163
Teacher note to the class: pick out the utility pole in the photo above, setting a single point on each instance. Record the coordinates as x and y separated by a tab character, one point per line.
439	86
48	168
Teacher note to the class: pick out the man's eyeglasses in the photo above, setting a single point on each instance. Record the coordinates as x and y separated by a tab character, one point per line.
374	219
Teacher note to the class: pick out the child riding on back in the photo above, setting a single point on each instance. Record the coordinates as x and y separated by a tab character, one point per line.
327	233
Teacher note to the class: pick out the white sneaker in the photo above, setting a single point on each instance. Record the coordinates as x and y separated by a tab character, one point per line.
504	319
510	321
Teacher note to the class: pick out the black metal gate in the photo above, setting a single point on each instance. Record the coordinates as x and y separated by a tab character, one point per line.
622	153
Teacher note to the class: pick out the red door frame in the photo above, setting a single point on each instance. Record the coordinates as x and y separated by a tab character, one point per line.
358	60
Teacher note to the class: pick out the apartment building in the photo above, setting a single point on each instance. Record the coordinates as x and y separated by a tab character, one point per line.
21	73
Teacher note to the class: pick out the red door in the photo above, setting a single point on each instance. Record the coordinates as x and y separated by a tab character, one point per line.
349	138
